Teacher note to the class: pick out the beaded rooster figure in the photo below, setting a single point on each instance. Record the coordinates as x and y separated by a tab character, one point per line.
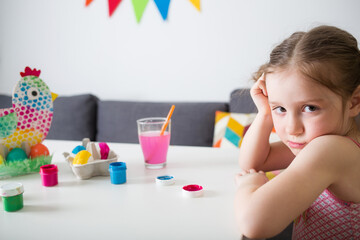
29	119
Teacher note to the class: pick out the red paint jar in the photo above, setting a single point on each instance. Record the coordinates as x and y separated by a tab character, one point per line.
49	175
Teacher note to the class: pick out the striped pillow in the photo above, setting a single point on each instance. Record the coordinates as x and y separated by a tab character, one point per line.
230	129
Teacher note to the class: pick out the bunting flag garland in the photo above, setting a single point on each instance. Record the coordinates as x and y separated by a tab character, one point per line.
140	5
139	8
113	4
163	6
196	3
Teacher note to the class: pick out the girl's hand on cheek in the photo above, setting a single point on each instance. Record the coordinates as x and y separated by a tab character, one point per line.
259	95
251	178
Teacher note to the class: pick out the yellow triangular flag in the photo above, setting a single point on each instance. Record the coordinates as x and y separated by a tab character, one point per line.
196	3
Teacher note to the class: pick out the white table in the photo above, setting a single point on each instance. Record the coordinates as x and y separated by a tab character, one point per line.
140	209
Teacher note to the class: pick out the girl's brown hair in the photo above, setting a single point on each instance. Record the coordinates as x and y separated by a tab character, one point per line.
327	55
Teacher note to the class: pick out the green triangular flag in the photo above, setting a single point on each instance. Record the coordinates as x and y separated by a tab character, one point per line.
139	7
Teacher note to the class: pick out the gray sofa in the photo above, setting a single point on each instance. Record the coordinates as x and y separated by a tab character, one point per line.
76	117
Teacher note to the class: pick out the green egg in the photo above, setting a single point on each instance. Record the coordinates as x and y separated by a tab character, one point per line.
17	154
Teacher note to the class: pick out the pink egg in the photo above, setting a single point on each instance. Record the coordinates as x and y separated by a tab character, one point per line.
104	150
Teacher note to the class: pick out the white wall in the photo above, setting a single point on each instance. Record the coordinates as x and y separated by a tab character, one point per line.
191	57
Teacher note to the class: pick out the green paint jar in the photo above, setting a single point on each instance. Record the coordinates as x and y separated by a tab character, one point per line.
12	196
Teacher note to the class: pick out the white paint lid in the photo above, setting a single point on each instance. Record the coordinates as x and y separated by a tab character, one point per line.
11	189
165	180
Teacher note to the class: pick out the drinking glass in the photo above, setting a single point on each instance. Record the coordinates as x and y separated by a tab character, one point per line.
154	145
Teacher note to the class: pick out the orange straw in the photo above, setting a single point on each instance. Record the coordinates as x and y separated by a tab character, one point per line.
166	123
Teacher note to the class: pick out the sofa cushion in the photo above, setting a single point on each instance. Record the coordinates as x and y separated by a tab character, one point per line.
191	123
241	101
5	101
230	128
74	118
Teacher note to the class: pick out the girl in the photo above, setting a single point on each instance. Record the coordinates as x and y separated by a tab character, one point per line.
309	92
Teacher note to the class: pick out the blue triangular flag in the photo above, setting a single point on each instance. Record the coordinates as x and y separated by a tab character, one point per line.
163	6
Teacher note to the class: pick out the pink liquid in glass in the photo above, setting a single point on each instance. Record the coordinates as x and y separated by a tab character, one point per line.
154	146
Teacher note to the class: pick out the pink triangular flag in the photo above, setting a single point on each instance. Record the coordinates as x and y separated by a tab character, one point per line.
113	4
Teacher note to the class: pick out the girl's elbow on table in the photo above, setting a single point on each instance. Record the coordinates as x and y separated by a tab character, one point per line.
253	228
253	222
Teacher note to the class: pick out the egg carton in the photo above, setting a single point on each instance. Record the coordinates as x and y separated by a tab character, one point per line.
95	165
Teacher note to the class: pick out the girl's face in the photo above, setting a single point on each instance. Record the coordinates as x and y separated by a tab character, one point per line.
303	110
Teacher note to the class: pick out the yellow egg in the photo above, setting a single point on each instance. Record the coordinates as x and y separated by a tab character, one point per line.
1	160
81	157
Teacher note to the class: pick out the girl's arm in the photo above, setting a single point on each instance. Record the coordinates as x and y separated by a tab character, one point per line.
264	209
255	147
256	151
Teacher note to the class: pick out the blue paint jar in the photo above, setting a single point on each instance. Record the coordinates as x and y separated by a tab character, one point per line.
117	172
